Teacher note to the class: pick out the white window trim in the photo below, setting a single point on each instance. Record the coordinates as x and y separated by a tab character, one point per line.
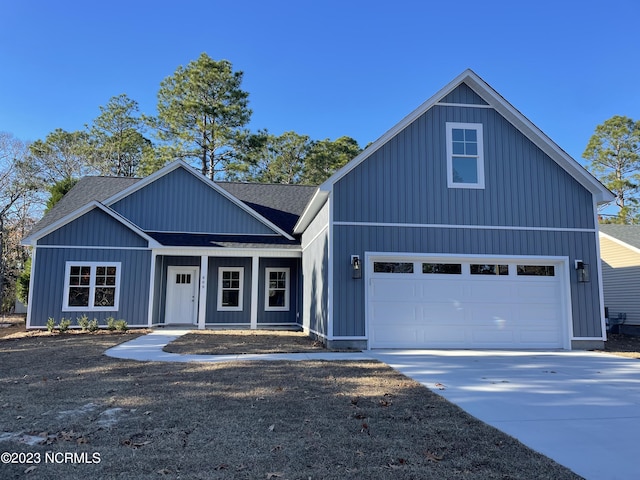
480	157
240	306
287	289
92	287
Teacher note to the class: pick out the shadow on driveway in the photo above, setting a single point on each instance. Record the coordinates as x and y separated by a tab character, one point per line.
581	409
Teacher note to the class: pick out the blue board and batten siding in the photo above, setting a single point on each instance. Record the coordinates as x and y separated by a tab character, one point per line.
538	207
271	317
228	317
463	95
93	237
217	317
315	272
405	181
94	229
180	202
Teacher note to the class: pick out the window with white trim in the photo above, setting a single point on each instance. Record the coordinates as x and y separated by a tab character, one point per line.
465	155
277	289
230	288
91	286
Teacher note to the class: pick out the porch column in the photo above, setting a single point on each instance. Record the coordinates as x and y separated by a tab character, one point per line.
202	297
255	271
152	287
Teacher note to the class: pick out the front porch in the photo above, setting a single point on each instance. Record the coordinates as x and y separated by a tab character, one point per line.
230	289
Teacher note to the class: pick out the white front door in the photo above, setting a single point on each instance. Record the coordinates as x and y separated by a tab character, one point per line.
182	295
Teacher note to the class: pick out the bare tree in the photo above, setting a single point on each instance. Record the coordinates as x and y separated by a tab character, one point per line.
18	192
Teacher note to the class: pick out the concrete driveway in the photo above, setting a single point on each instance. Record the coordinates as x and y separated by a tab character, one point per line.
580	408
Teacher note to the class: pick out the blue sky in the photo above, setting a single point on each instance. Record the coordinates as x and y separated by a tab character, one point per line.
323	68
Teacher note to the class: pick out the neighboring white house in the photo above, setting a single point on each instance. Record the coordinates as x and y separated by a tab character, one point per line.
620	253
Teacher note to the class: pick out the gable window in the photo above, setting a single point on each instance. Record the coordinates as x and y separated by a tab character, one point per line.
91	286
230	288
277	289
465	157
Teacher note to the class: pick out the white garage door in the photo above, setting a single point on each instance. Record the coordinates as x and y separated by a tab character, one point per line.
466	303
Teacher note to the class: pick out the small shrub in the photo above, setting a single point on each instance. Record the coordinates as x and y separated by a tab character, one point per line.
93	325
65	323
83	322
121	325
111	323
51	324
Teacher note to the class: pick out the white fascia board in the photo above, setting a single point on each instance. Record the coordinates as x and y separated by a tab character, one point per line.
538	137
619	242
495	100
181	164
311	210
32	240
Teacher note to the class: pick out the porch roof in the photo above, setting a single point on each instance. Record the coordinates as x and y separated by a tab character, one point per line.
223	241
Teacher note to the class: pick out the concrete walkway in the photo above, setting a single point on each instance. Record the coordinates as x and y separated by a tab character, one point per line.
148	348
581	409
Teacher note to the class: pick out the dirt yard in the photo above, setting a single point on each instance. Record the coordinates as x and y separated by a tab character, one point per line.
225	342
623	345
59	395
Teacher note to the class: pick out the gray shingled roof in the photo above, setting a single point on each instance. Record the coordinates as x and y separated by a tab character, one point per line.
629	234
280	204
85	191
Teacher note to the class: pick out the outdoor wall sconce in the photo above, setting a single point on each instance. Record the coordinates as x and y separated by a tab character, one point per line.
583	271
356	267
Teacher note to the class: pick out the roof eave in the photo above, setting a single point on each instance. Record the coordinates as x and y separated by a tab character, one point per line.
311	210
622	243
538	137
32	239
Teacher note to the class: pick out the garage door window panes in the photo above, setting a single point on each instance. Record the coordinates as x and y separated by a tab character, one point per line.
536	270
393	267
477	269
444	268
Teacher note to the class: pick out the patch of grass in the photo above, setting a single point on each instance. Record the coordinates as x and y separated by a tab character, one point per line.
243	420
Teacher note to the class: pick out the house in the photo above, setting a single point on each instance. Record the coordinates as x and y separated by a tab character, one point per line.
464	226
620	254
